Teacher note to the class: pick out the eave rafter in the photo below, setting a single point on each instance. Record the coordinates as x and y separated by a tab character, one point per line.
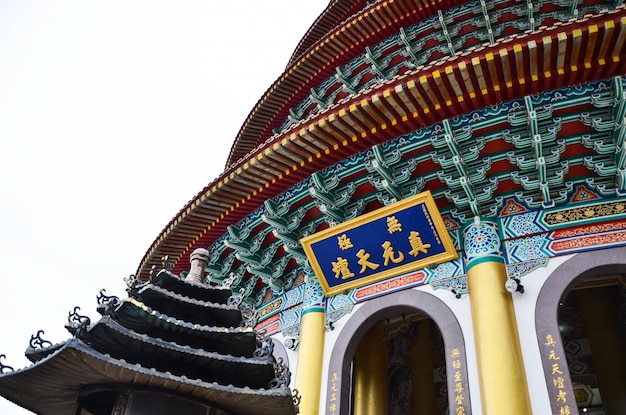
406	103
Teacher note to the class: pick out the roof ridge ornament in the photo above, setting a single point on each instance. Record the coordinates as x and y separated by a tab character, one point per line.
199	260
132	283
5	368
77	324
249	315
237	299
265	345
229	281
296	398
166	263
283	375
37	342
107	303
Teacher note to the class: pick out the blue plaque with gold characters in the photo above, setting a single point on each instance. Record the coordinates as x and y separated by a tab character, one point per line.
393	240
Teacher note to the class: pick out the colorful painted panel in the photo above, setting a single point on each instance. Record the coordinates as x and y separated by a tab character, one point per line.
390	241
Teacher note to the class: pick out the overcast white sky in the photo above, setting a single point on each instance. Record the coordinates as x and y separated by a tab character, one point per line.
113	114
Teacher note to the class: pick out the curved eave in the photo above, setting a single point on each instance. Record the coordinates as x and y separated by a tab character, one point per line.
335	13
239	341
189	309
130	336
522	65
336	48
40	389
202	292
122	343
36	354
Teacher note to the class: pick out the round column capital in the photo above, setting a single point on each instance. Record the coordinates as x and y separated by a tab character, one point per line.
481	243
313	295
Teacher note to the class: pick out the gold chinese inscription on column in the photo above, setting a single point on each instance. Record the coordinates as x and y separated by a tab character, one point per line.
332	392
459	408
556	365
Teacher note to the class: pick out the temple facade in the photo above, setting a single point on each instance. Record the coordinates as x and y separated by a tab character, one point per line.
424	214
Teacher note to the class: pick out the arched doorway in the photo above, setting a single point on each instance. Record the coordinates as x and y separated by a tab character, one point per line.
399	368
408	326
581	328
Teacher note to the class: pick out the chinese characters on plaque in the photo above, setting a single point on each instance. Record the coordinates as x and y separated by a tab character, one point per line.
390	241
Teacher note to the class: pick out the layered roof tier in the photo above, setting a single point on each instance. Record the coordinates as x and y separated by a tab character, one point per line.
171	336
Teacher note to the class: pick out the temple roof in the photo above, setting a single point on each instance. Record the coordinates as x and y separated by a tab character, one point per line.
314	136
335	48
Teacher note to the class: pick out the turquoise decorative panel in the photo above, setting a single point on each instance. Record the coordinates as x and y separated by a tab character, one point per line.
524	249
482	243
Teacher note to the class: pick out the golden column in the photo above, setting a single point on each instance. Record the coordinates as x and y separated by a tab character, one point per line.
503	385
370	373
311	348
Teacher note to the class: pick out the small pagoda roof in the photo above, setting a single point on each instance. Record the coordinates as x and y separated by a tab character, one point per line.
137	346
189	309
110	337
52	385
133	314
191	289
